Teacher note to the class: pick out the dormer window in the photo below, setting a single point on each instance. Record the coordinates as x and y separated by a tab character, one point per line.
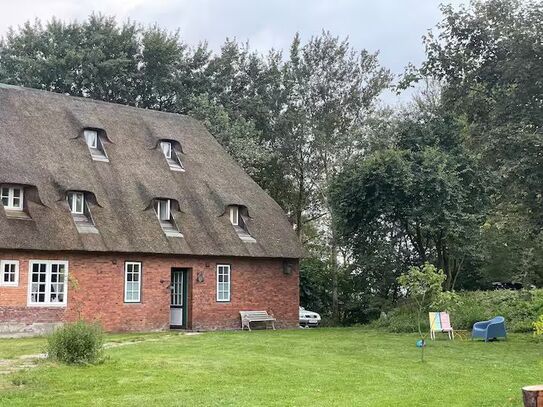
163	210
12	197
76	200
91	136
80	211
235	213
168	148
94	140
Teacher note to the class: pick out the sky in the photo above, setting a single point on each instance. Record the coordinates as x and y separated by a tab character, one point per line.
392	27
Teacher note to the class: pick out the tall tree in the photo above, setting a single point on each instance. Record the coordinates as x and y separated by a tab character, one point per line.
422	196
332	88
488	57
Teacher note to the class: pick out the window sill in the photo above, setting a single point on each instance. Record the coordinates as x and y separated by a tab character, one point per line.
12	214
100	158
173	233
46	305
84	224
176	168
244	235
169	229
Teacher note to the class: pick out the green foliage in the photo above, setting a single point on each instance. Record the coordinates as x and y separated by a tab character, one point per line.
538	326
315	278
356	304
422	284
422	197
447	301
519	308
76	343
488	58
239	136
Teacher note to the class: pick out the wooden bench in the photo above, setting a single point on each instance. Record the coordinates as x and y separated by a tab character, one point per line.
255	316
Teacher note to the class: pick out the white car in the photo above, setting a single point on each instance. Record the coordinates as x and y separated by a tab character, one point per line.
309	318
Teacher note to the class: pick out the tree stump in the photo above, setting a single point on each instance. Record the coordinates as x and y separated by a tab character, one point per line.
533	396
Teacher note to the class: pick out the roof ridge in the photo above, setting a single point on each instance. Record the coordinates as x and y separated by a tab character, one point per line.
90	100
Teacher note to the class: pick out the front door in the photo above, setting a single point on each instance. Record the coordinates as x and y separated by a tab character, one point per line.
178	302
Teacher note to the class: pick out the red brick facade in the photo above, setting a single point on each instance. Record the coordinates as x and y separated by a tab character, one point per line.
96	291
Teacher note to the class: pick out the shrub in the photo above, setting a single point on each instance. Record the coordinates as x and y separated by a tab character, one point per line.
538	326
76	343
519	308
422	284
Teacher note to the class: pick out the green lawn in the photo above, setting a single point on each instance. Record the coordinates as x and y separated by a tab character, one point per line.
327	367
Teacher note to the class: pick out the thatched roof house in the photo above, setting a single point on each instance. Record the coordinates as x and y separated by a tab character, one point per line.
104	178
43	146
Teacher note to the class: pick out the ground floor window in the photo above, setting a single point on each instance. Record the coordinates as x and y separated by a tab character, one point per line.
9	273
223	282
132	281
47	283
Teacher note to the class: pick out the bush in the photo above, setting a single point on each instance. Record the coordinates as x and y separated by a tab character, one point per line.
538	326
77	343
520	309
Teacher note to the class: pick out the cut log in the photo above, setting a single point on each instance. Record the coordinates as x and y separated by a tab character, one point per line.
533	396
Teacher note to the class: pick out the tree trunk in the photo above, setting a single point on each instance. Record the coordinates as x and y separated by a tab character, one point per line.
420	244
299	208
458	269
334	266
533	396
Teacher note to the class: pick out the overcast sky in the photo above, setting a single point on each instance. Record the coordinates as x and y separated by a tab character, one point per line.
394	27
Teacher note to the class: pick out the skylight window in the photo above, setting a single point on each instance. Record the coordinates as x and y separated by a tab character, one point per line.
94	140
12	197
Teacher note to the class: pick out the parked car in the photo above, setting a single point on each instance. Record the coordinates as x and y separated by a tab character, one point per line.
309	318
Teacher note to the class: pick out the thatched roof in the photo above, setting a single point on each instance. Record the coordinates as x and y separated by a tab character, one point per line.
42	146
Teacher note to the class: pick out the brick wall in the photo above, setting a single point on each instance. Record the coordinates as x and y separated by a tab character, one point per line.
96	291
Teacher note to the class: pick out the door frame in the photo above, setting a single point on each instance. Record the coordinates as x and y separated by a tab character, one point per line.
185	273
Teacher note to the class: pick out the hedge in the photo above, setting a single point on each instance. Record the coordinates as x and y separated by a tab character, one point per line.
520	309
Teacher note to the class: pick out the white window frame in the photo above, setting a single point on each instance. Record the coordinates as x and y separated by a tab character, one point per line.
140	274
11	197
3	264
224	270
234	215
72	202
167	148
49	264
168	209
91	138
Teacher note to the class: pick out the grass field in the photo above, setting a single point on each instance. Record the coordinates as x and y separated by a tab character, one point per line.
317	367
